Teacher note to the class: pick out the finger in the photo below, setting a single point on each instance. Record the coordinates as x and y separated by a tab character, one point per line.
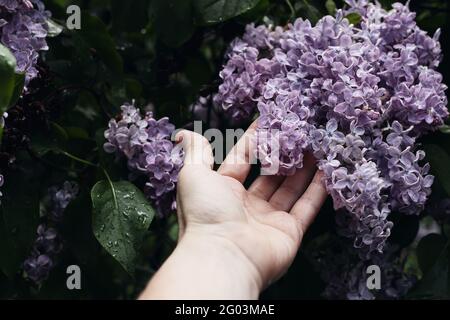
308	206
197	150
294	186
238	161
265	186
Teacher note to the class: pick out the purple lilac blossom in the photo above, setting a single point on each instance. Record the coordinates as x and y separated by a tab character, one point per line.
357	97
146	144
60	197
23	30
48	243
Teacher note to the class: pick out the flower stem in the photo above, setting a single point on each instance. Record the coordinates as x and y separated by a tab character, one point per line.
291	8
88	163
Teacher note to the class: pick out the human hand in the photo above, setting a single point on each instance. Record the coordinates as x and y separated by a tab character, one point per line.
255	233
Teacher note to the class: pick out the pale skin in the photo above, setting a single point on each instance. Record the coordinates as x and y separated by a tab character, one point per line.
234	241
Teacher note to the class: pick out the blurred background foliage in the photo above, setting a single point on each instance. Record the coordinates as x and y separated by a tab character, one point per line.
164	54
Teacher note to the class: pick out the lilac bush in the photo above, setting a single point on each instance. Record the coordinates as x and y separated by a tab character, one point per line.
23	29
146	144
356	96
359	90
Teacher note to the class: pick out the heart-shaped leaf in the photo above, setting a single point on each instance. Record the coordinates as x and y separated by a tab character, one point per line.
121	216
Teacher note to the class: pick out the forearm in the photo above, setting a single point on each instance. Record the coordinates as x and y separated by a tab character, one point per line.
204	268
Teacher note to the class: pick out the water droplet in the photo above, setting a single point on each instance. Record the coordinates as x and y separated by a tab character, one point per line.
102	227
109	244
142	217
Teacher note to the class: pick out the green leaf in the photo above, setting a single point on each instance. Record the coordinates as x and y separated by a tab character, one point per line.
215	11
256	13
353	18
76	133
173	20
129	18
445	129
307	10
54	29
121	217
19	83
330	5
7	77
411	264
428	251
59	132
436	282
439	161
94	32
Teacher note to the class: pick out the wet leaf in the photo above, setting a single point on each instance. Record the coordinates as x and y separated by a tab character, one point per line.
121	216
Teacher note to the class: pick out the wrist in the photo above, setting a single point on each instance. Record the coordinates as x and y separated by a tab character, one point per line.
222	259
205	266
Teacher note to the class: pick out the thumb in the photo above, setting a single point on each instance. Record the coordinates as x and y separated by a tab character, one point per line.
197	150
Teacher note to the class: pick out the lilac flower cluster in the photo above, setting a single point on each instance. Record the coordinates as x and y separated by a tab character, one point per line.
356	96
60	197
23	29
146	144
46	247
346	277
48	243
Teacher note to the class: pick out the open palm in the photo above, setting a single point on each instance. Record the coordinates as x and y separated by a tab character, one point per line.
266	222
